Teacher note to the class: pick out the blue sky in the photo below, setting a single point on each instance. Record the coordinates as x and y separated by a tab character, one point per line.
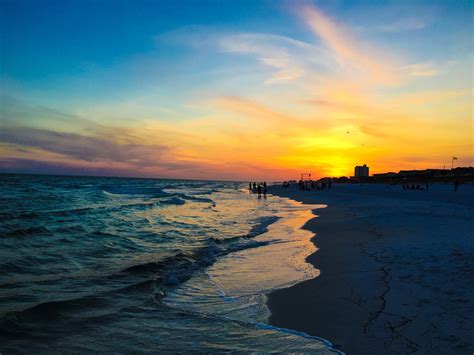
65	37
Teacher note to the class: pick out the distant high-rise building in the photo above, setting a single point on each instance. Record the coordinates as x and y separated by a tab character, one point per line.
361	171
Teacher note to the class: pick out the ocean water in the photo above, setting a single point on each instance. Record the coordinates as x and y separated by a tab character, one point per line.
93	264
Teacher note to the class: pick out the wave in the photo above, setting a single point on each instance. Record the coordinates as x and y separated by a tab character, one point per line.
107	193
171	198
196	198
164	199
85	210
53	309
260	228
66	212
262	225
25	232
327	345
114	191
6	216
153	276
29	326
326	342
180	267
173	201
168	272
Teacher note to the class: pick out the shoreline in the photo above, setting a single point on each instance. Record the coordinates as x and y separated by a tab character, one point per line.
376	294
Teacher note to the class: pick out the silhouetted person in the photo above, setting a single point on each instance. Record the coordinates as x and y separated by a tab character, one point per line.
259	190
250	186
265	191
265	185
254	186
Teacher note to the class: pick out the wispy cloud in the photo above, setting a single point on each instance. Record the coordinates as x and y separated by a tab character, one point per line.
335	53
421	69
71	140
357	58
284	54
405	23
286	59
82	147
254	110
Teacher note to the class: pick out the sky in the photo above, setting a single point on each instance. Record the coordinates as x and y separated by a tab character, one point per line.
234	90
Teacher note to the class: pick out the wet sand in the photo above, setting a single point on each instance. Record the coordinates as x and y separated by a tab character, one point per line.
397	271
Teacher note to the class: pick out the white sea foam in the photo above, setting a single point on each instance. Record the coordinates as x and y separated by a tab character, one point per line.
235	286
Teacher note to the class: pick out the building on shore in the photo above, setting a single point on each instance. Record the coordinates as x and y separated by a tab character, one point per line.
460	174
385	175
361	171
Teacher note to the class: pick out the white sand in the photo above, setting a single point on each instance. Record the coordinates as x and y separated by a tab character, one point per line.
422	249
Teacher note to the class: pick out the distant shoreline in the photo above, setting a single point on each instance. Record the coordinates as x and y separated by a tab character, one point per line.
117	177
390	268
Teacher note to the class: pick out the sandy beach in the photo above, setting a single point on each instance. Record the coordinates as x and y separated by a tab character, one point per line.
396	270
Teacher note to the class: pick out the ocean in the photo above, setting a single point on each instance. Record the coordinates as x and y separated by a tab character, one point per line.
92	264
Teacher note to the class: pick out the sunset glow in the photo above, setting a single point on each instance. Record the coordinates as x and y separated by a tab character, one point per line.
234	90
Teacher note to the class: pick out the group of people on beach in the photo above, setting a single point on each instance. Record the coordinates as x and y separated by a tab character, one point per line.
260	188
427	185
413	187
314	185
322	184
326	183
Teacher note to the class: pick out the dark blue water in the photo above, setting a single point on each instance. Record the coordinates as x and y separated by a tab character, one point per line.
113	264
